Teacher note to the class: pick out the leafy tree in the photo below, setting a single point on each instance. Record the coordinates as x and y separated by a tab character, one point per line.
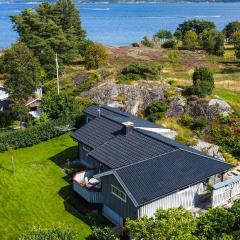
156	111
96	55
51	28
56	233
215	222
236	37
190	40
147	42
203	82
21	111
176	224
212	41
197	26
22	72
230	29
57	106
164	35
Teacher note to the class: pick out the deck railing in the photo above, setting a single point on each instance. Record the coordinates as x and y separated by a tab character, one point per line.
91	195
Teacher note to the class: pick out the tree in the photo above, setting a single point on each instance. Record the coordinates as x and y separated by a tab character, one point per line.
147	42
212	41
236	37
230	29
173	223
203	81
56	233
49	29
164	35
22	72
96	55
5	119
215	223
190	40
21	111
197	26
57	106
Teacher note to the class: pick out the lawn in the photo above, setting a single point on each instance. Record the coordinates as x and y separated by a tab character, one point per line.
37	193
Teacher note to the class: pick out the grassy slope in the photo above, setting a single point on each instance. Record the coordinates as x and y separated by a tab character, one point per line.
34	194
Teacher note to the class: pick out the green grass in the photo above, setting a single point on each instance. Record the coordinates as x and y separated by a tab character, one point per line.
232	97
37	193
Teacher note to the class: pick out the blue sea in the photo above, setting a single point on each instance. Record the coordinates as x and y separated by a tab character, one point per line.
121	24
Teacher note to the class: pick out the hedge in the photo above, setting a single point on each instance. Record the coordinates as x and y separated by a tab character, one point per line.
34	135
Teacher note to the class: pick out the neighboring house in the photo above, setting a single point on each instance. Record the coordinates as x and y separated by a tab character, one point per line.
33	102
132	170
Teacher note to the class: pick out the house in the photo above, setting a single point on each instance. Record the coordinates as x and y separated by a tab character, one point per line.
132	170
32	102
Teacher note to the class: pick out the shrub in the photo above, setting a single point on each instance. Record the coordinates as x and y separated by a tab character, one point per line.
147	42
96	55
186	120
5	119
203	82
134	72
105	233
199	123
226	139
36	134
215	222
155	111
236	212
169	44
54	233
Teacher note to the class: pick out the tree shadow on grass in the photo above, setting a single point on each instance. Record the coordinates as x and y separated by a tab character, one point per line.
62	157
81	209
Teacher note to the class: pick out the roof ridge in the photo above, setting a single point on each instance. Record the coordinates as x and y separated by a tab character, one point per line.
145	160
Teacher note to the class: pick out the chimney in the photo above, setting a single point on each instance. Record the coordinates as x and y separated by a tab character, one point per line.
127	127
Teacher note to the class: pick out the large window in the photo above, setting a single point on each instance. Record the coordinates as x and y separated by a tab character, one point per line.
118	193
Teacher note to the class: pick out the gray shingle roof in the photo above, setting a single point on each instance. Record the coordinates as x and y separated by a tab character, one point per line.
149	164
127	149
97	132
170	172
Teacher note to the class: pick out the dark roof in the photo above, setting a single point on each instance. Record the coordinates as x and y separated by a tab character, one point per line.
127	149
149	180
97	132
148	164
119	116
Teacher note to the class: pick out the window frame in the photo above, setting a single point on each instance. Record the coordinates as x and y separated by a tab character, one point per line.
124	199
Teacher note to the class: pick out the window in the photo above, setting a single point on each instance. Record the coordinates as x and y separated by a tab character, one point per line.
118	193
86	148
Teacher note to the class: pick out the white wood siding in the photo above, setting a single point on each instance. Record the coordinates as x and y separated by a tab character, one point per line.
223	195
186	198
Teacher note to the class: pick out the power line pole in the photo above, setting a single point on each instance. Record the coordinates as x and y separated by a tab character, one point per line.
57	68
